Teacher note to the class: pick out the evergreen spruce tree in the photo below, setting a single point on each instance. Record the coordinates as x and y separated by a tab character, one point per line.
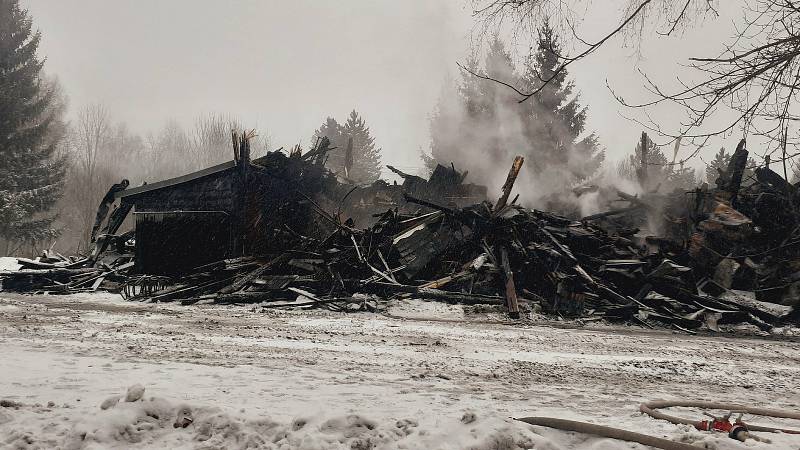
333	131
661	173
555	119
680	177
470	124
657	165
366	156
720	163
482	125
30	121
496	106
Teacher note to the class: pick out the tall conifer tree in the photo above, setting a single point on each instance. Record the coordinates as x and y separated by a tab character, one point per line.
482	123
366	156
31	177
556	121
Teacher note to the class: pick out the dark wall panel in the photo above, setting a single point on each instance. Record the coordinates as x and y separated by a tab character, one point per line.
172	244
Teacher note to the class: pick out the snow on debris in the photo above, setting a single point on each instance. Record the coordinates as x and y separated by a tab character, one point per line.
8	263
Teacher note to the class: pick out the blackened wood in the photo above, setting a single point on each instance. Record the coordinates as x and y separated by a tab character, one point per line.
735	170
422	292
249	277
613	212
191	291
511	289
509	184
118	216
49	272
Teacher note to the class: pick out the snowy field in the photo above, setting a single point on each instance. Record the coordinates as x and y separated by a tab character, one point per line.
418	376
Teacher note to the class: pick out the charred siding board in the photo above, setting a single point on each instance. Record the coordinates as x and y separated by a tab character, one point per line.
420	247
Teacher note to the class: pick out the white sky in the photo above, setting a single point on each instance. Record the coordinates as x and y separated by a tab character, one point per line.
285	66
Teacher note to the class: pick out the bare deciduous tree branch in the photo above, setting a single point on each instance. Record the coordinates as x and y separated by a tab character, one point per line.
755	76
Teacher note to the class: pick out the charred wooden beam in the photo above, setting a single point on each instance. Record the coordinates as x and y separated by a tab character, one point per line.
252	275
509	184
731	180
423	292
428	204
511	289
613	212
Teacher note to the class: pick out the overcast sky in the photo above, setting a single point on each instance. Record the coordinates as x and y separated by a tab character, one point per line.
285	66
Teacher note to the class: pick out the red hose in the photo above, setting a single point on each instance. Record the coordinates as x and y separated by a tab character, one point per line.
651	409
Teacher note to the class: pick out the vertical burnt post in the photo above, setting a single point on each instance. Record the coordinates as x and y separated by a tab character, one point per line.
643	168
509	184
512	302
244	170
508	275
241	154
735	171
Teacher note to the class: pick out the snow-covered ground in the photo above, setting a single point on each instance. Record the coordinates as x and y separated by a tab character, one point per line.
419	376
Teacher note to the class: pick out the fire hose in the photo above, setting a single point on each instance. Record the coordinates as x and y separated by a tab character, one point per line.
651	409
613	433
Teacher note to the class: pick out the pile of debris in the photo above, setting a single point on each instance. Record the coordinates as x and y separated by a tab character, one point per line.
502	254
728	256
58	274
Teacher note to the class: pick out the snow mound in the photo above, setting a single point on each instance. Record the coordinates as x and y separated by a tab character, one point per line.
132	420
153	422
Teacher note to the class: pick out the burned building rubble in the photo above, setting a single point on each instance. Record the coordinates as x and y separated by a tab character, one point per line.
276	231
444	184
237	208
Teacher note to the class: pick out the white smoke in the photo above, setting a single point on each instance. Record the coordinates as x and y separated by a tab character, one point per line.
488	146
